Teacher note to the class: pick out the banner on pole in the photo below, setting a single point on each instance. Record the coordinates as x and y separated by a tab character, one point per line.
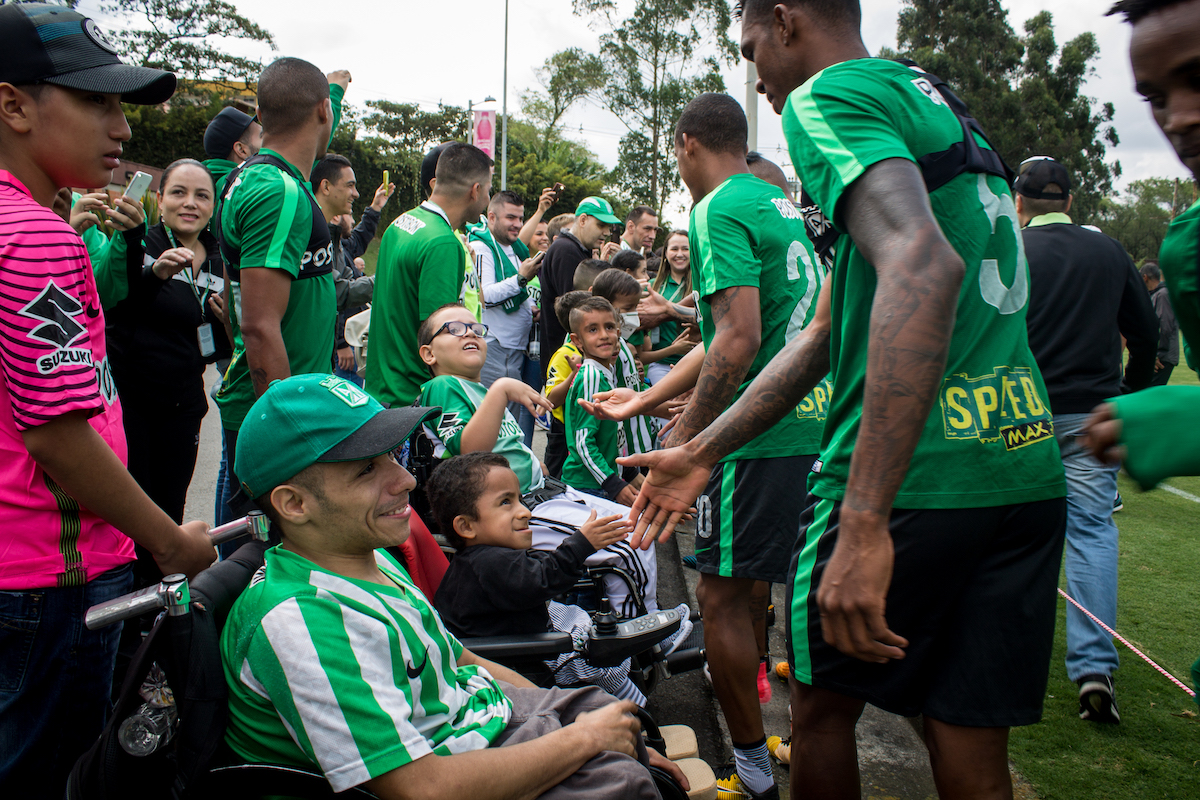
483	131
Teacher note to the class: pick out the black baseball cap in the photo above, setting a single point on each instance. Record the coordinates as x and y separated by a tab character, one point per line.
43	43
429	166
1035	174
224	131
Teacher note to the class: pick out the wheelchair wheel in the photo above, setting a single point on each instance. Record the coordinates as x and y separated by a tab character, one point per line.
666	785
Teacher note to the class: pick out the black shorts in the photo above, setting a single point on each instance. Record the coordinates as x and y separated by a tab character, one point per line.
973	592
748	518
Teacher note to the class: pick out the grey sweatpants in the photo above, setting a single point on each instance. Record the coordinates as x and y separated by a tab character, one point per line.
537	712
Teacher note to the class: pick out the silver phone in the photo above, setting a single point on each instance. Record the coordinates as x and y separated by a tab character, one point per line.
138	185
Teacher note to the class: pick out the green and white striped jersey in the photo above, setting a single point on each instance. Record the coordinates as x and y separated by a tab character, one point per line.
352	677
640	431
459	400
592	444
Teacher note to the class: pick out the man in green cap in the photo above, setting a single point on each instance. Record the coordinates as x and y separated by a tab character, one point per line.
335	660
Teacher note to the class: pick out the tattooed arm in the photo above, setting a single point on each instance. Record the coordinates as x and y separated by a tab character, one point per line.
265	294
737	317
912	319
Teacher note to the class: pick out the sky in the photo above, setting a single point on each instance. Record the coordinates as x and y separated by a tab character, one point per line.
452	52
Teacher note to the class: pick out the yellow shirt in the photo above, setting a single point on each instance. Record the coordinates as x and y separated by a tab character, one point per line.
559	371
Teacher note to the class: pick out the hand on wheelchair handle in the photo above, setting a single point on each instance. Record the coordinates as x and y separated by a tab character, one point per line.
192	551
614	727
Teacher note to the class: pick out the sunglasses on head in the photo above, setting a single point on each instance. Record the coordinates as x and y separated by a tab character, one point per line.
457	328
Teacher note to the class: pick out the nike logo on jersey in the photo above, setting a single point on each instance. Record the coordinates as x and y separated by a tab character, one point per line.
415	672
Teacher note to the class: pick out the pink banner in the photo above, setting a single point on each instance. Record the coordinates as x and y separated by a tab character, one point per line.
483	132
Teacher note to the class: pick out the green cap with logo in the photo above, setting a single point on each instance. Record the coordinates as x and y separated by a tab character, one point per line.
309	418
599	208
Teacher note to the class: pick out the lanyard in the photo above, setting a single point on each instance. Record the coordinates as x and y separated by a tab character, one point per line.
200	296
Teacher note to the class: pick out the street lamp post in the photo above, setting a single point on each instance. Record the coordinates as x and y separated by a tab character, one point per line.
504	123
471	117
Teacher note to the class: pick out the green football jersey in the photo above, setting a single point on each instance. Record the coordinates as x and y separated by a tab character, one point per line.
349	677
989	439
592	444
459	400
421	267
639	432
747	233
270	218
1179	260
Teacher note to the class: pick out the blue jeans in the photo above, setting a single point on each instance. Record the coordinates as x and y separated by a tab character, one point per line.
504	363
55	681
1091	552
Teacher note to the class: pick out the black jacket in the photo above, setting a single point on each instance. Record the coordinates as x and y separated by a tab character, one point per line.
344	253
497	591
1168	327
1084	295
557	277
152	334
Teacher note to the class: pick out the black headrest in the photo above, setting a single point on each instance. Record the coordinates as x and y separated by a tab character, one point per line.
221	584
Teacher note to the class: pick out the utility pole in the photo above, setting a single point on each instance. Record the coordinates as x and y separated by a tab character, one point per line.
751	105
504	111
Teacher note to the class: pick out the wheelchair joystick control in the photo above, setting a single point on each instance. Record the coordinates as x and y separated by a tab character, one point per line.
606	620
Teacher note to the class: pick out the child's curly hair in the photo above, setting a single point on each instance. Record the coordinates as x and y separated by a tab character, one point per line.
455	487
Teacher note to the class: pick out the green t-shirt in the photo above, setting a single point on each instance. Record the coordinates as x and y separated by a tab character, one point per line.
592	444
459	400
989	439
268	218
639	432
318	667
1179	260
746	233
421	268
665	334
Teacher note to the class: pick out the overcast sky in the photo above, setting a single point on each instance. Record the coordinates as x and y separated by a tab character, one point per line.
451	52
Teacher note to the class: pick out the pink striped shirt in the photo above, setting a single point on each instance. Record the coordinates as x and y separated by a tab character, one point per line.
52	361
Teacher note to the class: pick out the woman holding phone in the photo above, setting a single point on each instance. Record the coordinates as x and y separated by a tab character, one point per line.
161	337
669	341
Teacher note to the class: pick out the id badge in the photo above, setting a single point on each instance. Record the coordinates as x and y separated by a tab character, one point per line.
204	335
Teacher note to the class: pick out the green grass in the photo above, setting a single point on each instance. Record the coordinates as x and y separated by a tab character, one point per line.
1155	751
371	256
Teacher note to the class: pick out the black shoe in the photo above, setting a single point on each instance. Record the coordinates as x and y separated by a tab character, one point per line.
1097	702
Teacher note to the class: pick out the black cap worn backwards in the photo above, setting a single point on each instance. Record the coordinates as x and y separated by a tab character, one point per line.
224	131
42	43
1035	174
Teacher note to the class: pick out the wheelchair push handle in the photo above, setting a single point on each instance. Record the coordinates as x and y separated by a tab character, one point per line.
172	593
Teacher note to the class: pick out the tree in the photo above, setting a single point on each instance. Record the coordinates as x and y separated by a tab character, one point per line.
567	77
165	133
654	65
1140	222
566	162
1025	91
180	36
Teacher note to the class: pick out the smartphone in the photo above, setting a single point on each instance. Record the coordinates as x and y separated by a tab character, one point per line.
138	185
385	177
559	188
539	255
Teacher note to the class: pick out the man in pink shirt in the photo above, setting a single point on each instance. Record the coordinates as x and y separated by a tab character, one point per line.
69	511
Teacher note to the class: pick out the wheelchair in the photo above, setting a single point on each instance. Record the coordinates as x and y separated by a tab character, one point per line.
184	644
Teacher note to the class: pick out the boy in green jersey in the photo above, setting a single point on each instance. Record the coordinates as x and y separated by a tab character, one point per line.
277	247
1148	425
421	268
336	661
939	495
475	418
593	444
564	366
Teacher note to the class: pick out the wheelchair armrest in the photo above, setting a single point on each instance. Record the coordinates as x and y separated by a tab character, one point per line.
541	646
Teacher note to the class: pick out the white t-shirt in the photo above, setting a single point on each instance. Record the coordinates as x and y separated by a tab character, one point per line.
510	330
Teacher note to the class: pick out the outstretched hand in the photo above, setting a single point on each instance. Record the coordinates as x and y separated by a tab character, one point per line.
516	391
852	596
616	404
603	531
1102	434
675	480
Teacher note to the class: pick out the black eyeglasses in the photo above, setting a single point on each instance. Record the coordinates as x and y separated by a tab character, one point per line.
456	328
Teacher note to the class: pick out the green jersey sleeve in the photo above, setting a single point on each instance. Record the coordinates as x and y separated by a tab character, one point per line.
441	270
272	217
587	436
844	127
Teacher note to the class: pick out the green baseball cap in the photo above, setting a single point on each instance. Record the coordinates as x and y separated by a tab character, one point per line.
599	208
309	418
